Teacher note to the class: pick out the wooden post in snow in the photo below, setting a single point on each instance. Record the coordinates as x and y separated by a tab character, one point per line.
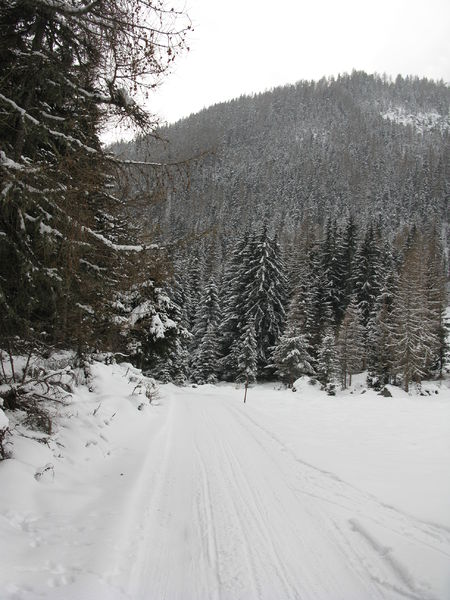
246	387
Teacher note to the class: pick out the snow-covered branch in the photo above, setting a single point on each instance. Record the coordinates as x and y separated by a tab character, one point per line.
67	9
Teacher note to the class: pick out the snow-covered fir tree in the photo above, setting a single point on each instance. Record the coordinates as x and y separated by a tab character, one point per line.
232	295
205	367
327	364
245	356
265	296
205	340
366	278
291	358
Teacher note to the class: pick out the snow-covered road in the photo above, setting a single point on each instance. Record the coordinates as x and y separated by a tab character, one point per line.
289	496
234	514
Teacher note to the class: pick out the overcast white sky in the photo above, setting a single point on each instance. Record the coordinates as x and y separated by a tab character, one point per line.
245	46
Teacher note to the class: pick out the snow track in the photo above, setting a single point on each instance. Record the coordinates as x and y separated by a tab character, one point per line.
200	497
236	515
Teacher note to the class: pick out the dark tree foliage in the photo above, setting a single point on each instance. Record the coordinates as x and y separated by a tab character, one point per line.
65	67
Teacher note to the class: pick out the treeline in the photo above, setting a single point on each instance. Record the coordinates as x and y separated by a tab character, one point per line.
332	304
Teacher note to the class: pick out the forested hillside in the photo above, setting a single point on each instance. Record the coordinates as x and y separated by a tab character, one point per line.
308	236
357	144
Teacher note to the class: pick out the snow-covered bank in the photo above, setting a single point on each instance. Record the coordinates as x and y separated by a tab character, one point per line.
198	496
68	504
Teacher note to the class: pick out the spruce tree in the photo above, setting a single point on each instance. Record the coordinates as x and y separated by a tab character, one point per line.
346	248
366	282
436	299
380	350
332	270
233	298
291	357
265	296
204	364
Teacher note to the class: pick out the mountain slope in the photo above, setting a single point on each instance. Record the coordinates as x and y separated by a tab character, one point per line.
357	144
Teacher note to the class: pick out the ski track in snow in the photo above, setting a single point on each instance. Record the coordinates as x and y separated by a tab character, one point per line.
242	517
214	505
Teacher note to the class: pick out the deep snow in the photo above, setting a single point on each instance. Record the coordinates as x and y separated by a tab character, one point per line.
199	497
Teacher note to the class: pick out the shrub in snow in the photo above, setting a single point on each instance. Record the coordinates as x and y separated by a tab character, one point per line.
28	386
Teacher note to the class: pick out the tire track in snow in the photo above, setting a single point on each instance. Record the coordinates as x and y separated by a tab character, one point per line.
235	515
232	578
206	521
321	520
326	484
259	522
330	489
154	492
268	511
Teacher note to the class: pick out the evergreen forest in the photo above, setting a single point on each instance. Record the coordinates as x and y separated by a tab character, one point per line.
300	231
309	235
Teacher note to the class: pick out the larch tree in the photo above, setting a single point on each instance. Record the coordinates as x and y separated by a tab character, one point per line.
416	317
350	343
327	365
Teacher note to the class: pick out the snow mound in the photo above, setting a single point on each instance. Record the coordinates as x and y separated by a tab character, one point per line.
68	498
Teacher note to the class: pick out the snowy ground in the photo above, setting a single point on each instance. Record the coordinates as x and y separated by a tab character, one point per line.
200	497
